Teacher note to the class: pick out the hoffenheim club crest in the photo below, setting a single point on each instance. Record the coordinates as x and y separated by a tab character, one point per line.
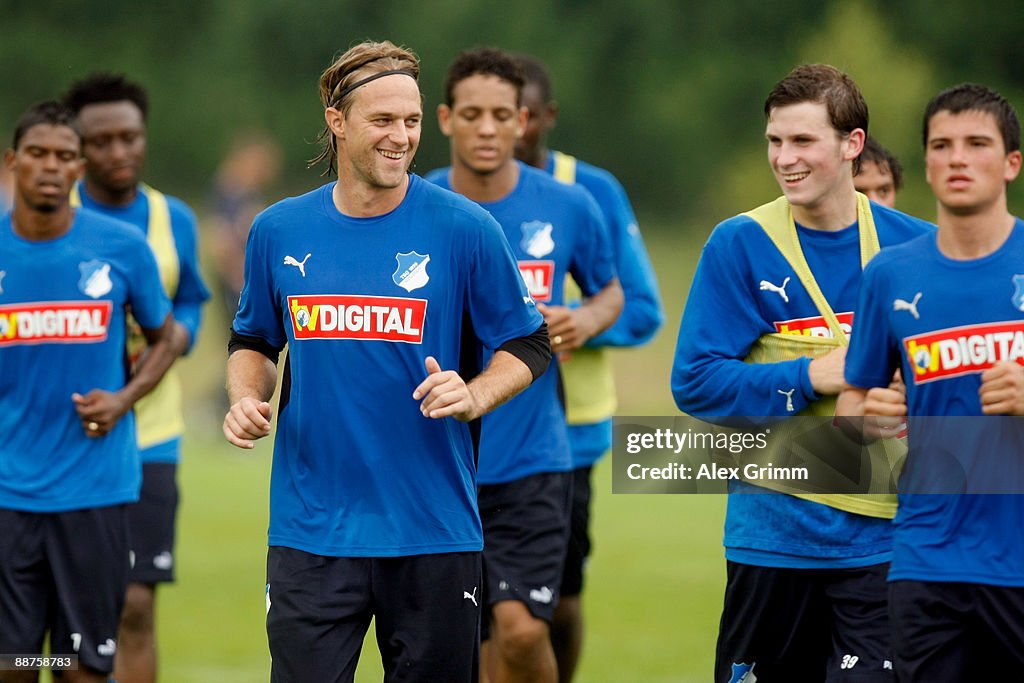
537	239
1018	293
412	270
95	280
743	673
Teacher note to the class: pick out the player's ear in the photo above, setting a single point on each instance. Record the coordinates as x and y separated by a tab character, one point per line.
9	156
854	144
335	121
551	114
1013	161
523	116
444	119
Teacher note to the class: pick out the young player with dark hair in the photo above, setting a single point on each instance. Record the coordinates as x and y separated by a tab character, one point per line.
525	461
957	574
69	463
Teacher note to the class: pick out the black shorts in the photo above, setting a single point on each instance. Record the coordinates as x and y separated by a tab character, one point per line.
813	625
151	524
956	631
426	609
66	573
526	528
578	550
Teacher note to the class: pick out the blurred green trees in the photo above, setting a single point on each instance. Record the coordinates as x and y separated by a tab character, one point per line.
666	94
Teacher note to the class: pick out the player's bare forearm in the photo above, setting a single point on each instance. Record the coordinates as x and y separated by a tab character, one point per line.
100	410
251	378
443	393
504	377
250	374
164	345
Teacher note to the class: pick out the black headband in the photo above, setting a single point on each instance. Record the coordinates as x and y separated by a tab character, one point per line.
380	74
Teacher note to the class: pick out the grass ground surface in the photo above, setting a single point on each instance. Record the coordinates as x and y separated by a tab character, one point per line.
654	582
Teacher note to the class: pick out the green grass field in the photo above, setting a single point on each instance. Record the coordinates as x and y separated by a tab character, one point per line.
654	582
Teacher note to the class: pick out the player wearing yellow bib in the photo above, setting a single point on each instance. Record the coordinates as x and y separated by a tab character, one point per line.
764	333
112	115
587	372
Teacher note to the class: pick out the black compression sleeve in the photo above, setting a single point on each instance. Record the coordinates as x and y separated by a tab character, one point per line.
533	349
244	341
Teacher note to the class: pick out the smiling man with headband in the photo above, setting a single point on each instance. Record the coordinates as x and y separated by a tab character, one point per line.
369	282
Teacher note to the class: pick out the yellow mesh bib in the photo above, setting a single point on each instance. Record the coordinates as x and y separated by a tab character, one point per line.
587	376
158	415
878	462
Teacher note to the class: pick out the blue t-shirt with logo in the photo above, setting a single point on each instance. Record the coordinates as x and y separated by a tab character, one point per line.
361	303
944	322
62	331
553	229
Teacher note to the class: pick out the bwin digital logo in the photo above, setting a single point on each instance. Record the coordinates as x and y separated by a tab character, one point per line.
743	673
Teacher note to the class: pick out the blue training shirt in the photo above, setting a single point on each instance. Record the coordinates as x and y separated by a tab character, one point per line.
62	330
361	303
642	313
553	229
944	321
727	311
191	293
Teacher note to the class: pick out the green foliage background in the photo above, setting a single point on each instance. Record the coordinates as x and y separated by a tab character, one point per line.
667	94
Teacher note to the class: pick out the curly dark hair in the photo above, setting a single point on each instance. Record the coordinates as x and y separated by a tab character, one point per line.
488	61
882	158
100	88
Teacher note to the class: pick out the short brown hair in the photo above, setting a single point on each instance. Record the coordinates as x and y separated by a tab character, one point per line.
358	62
823	84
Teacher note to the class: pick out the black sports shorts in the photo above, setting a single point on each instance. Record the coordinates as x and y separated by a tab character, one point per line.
578	550
526	528
151	525
956	631
66	573
426	609
805	625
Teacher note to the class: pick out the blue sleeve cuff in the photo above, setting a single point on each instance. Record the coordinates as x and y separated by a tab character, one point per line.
806	388
189	315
